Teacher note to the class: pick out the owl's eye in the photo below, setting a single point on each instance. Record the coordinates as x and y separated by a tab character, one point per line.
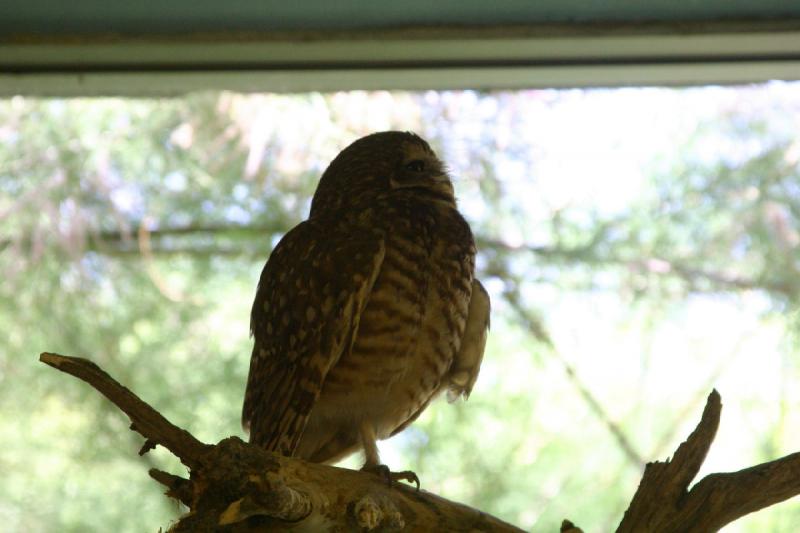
417	165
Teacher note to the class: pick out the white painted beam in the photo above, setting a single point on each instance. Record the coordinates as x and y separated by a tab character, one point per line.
497	59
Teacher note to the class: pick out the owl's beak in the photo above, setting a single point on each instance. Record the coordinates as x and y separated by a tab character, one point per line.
437	183
443	181
442	184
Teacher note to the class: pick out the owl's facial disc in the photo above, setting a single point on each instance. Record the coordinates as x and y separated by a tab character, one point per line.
420	169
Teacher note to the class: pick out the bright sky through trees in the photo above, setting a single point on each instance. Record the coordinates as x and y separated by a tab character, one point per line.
642	246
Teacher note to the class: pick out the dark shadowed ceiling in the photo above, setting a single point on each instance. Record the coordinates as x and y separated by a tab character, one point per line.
181	16
148	47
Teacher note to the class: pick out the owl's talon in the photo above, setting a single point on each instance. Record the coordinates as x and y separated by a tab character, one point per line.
384	472
405	475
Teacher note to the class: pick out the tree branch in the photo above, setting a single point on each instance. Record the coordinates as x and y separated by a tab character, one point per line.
238	487
235	486
144	419
663	502
117	243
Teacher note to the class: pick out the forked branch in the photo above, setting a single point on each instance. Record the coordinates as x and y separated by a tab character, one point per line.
234	486
664	502
144	419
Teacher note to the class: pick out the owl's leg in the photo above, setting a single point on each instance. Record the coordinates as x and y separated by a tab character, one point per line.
372	461
370	443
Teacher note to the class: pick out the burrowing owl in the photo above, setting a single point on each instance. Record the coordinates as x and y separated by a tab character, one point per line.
367	310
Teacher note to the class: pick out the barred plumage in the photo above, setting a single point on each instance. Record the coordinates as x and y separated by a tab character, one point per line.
367	310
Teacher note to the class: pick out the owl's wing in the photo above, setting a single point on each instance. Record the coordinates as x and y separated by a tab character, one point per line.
305	315
467	363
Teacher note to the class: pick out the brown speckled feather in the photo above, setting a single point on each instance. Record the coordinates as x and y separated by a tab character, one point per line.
369	309
304	316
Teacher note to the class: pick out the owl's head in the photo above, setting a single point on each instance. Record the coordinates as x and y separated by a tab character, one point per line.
381	164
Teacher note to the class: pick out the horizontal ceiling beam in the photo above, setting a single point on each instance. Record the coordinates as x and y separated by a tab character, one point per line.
495	58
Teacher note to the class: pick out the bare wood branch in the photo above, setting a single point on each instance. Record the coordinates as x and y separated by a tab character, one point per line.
663	502
719	499
667	482
177	487
241	487
244	488
145	420
326	498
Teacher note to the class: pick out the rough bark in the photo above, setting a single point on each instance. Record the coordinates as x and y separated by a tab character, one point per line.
664	502
236	487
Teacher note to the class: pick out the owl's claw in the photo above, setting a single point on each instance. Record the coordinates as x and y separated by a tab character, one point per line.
384	472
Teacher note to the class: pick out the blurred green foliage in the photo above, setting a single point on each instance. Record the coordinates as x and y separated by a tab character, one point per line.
641	246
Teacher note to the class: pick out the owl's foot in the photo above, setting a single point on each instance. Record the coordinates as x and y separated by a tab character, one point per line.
384	472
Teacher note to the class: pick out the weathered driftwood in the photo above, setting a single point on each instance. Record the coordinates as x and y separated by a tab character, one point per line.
234	486
664	503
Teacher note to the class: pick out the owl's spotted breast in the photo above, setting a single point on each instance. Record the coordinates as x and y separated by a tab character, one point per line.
407	336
